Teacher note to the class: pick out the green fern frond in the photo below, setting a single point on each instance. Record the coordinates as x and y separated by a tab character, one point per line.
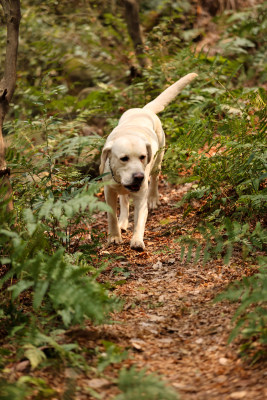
137	385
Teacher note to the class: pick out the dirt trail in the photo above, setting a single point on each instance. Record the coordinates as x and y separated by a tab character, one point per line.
169	322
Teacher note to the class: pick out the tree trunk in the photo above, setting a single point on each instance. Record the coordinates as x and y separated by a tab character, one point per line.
7	86
218	6
134	30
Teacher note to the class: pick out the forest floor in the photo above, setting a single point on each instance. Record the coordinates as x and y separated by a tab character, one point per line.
169	323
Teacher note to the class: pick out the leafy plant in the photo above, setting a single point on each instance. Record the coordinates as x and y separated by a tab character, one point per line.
250	317
138	385
224	155
113	354
13	391
73	294
76	71
221	241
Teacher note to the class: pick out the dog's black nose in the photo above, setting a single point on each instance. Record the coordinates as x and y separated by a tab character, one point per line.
138	177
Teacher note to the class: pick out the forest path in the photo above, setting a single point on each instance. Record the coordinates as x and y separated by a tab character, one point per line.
170	323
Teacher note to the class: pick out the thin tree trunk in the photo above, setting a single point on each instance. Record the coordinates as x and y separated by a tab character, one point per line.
7	86
214	7
134	30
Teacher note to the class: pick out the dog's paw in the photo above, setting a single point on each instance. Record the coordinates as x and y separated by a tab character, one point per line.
123	225
153	203
137	245
114	239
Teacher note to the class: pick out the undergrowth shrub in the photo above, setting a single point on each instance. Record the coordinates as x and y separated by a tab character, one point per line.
60	205
250	317
208	241
221	149
228	169
242	40
13	391
138	385
37	261
215	130
217	141
41	267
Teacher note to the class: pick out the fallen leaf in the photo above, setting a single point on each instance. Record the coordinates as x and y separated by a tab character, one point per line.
99	383
185	388
22	365
238	395
223	361
157	265
138	344
156	318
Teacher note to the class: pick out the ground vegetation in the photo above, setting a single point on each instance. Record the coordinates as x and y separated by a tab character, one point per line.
187	317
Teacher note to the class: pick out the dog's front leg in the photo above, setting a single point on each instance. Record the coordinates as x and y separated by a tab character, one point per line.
140	217
114	234
124	212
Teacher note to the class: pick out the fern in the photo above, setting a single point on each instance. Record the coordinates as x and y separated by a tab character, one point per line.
13	391
250	317
73	294
137	385
222	240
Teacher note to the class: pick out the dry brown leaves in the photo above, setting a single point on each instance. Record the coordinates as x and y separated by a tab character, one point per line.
169	323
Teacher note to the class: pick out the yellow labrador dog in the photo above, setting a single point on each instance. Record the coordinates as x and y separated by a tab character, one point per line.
131	156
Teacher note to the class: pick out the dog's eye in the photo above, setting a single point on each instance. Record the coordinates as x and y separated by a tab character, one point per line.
142	157
124	159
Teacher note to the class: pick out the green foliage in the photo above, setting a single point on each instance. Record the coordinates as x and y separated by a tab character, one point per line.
42	348
137	385
246	40
113	354
13	391
71	53
217	140
221	241
228	170
251	315
73	294
73	63
24	387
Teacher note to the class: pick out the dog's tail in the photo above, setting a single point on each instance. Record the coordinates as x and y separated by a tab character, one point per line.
160	102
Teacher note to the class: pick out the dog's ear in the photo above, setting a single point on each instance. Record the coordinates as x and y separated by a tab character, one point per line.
105	153
149	152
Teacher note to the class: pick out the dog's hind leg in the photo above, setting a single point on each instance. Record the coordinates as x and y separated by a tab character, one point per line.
153	195
124	212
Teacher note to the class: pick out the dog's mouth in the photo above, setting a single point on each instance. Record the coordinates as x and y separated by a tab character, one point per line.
133	188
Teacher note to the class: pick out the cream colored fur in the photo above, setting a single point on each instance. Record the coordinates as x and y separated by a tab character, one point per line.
132	155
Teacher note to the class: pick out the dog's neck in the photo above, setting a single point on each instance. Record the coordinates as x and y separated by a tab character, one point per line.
112	174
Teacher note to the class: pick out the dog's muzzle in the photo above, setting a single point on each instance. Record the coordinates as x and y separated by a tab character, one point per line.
136	182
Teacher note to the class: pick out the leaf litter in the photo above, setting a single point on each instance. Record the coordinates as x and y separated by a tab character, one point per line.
169	324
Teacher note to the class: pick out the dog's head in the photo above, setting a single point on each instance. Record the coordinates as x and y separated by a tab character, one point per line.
128	157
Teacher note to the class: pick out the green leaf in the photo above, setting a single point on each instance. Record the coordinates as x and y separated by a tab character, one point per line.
34	355
39	293
20	287
30	221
